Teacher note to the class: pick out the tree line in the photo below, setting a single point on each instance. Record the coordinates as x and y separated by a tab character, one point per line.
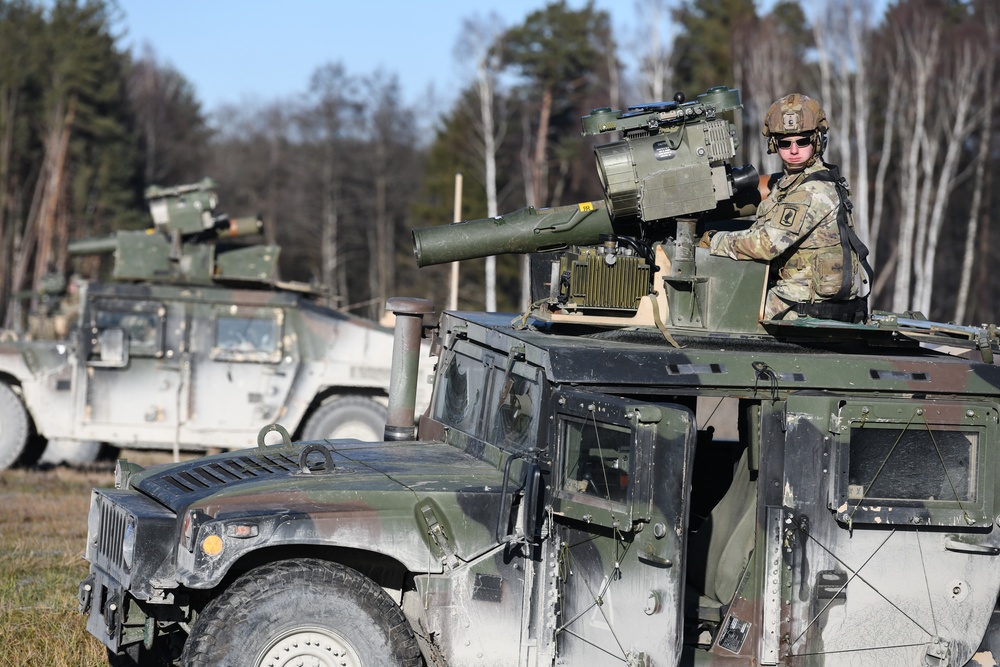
343	171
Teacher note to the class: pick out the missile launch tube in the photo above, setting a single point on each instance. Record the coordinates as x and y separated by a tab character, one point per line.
523	231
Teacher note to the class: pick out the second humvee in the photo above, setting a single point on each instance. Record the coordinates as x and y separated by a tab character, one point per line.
192	343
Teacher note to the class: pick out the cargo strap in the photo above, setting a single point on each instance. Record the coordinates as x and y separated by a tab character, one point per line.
658	321
832	175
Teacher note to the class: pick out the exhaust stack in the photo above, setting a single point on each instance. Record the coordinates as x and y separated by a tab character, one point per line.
409	312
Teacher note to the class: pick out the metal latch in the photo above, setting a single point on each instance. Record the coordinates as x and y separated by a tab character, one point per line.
436	532
938	653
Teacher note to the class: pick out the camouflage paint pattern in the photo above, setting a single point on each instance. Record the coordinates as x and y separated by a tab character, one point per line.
796	229
566	501
827	577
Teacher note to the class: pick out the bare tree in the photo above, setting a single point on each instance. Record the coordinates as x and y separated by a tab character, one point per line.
251	160
992	38
330	111
172	133
941	59
653	50
381	93
479	40
919	44
765	68
956	121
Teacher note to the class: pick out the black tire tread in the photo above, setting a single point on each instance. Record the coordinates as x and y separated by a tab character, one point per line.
214	625
15	428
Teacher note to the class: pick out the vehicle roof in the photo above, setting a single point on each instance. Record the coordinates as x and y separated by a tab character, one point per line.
804	357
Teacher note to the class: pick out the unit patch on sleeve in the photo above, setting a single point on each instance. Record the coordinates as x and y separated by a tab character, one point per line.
791	216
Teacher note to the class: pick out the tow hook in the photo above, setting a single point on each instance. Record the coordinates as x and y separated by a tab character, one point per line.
112	615
86	594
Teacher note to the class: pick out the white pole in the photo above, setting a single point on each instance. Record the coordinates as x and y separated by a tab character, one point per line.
453	287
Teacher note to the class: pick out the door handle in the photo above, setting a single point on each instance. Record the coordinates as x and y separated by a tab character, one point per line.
954	544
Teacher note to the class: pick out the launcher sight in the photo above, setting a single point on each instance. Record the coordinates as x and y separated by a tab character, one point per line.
674	157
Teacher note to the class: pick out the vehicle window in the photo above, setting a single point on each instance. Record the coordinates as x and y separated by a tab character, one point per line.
598	458
459	393
923	464
143	328
254	338
516	415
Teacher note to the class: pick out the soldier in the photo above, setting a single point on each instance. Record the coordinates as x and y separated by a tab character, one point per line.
804	226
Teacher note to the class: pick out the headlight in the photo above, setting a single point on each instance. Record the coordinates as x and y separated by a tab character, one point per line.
128	543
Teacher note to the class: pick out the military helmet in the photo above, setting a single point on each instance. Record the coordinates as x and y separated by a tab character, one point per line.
795	114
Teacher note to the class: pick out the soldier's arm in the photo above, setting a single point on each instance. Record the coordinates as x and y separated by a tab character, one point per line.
776	230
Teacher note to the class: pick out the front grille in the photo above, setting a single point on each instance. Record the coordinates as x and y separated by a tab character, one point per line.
114	518
155	526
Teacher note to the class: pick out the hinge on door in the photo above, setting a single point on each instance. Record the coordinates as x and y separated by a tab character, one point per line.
637	659
938	653
771	603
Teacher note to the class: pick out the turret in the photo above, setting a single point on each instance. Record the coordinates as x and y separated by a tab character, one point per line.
631	260
181	246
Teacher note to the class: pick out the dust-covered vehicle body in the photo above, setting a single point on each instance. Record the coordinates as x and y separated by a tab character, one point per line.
193	343
197	366
572	507
573	496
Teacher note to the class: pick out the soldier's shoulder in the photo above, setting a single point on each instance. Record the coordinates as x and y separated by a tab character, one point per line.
818	186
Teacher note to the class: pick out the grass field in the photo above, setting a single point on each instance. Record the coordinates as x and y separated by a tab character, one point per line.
43	526
43	530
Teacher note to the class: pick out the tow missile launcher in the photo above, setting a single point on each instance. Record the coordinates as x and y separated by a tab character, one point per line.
637	471
671	170
192	342
181	246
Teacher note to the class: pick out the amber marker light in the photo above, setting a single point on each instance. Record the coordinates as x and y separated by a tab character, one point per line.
241	530
212	545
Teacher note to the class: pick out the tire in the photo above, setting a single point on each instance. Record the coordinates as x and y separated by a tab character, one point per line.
304	611
348	417
71	452
14	428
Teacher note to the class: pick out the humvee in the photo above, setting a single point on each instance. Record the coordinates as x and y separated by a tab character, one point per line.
566	498
192	342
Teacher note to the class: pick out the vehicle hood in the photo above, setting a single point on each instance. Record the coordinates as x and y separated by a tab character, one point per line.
420	468
413	501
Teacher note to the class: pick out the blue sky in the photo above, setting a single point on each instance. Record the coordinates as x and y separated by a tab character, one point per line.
244	50
236	51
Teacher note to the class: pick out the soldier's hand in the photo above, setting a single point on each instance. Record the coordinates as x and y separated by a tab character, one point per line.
706	239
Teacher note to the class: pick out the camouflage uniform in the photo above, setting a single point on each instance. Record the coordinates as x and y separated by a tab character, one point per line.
796	229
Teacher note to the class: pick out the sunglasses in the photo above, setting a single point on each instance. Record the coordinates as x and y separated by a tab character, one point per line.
802	142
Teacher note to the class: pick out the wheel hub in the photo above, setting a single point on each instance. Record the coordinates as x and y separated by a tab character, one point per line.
309	648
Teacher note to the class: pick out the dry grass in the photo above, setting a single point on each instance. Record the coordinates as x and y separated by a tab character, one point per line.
43	527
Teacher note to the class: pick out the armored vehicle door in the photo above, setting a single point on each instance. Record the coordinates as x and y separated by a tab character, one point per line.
620	504
129	371
242	366
877	526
